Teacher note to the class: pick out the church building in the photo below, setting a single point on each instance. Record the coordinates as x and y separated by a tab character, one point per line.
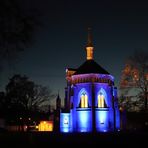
91	103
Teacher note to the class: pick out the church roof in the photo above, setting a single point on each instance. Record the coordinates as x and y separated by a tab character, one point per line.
90	66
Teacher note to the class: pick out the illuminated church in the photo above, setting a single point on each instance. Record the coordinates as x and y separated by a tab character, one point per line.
91	103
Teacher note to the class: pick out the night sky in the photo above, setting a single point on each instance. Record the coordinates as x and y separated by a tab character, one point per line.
119	27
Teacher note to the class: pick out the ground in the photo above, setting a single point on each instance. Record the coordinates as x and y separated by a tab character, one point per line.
41	139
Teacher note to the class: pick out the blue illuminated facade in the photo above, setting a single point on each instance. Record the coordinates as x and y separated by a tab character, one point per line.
91	103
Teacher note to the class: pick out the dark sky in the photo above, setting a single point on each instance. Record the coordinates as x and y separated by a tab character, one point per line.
118	28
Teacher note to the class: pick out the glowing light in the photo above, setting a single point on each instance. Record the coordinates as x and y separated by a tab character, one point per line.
86	101
45	126
65	122
65	130
100	100
89	53
84	120
102	124
82	101
20	118
101	121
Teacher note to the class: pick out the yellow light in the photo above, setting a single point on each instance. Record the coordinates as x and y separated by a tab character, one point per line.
45	126
89	53
50	127
82	101
37	127
100	101
86	101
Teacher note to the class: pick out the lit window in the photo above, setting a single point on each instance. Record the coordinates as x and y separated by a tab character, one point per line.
101	100
84	101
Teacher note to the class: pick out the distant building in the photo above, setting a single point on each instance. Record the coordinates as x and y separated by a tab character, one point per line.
57	114
45	126
91	103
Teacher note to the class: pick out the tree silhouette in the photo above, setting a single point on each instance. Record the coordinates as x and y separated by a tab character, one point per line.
135	75
25	94
17	25
3	104
24	98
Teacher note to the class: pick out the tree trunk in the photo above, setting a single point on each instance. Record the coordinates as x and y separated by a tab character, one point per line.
145	101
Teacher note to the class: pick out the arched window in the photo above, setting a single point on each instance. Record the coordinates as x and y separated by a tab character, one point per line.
101	101
84	101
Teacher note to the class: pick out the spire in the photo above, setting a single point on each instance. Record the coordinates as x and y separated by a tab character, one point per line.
89	39
89	46
58	97
58	101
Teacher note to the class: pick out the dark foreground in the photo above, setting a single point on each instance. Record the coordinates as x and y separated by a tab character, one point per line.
40	139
